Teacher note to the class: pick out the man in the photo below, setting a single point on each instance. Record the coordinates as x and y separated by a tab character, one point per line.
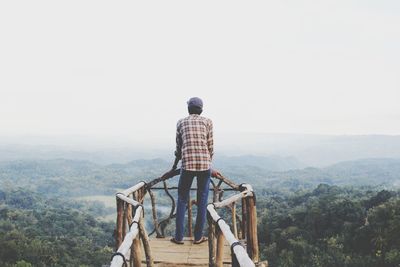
194	146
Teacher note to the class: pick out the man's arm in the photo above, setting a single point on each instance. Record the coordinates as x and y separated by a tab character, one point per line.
210	139
178	150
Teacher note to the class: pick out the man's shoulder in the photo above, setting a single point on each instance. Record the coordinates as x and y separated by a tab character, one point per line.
207	120
179	122
188	118
182	120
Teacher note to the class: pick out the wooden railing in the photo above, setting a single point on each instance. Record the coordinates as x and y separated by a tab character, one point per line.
219	229
130	228
130	231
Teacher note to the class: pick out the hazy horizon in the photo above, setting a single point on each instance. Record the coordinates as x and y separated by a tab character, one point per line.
164	141
308	150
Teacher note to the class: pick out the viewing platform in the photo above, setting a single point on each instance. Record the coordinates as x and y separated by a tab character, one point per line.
232	240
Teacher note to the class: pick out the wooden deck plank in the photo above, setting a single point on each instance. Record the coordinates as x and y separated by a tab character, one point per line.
168	254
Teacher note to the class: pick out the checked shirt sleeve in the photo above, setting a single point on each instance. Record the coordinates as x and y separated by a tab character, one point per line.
210	139
178	150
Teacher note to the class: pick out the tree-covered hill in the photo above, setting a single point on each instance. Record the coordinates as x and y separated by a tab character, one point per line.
331	226
63	177
349	220
40	231
380	172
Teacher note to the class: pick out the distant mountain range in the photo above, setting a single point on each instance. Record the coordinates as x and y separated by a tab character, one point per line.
266	163
272	151
313	150
71	177
381	172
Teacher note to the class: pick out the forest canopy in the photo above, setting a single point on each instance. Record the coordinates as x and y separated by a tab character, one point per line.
347	214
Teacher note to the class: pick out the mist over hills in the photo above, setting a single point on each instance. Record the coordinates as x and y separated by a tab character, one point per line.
314	150
66	199
273	161
62	177
280	151
64	196
265	163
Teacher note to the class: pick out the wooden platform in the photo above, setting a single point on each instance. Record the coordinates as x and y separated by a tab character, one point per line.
166	253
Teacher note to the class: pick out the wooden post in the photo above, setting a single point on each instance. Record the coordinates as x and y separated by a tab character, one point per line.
235	230
146	244
120	211
252	240
211	242
136	251
129	215
239	228
244	217
154	213
262	264
189	217
215	194
125	224
220	247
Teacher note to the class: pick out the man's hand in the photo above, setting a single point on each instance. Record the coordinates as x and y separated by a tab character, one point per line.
175	166
215	173
171	173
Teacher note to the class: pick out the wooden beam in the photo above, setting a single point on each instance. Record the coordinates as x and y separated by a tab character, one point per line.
220	247
118	230
190	217
244	218
127	199
192	189
133	189
252	240
146	244
241	255
262	264
136	247
164	177
130	215
234	225
211	241
232	199
126	244
228	182
125	224
154	213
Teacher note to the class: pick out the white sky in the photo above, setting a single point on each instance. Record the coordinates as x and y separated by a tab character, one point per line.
127	68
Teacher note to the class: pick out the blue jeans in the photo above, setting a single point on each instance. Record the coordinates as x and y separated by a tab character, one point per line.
203	185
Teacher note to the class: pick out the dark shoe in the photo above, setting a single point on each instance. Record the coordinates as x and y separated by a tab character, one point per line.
202	239
173	240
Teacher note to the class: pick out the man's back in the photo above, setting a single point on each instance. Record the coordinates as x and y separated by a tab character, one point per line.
194	145
194	138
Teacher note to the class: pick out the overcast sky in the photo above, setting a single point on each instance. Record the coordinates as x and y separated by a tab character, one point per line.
127	68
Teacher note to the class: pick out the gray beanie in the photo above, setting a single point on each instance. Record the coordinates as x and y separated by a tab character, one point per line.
195	102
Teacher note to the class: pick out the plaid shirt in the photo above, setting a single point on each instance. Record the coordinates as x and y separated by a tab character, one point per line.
194	142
